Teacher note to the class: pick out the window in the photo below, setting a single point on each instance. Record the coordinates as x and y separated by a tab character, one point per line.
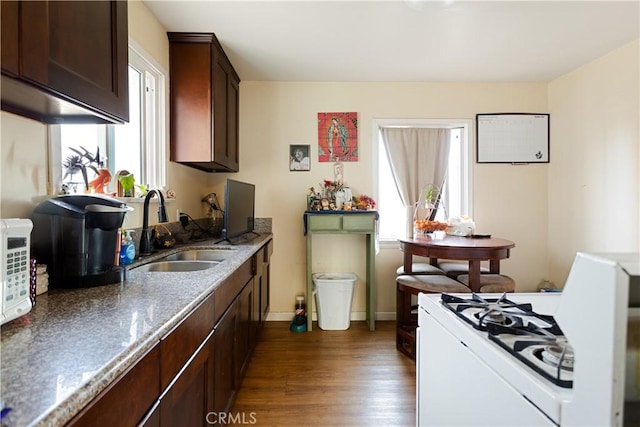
137	147
457	187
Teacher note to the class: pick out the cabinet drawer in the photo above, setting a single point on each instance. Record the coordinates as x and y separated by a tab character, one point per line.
231	287
359	222
325	222
127	400
178	346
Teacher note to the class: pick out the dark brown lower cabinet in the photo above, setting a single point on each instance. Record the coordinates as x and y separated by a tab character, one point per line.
264	278
256	314
189	399
153	417
192	377
225	361
126	401
245	330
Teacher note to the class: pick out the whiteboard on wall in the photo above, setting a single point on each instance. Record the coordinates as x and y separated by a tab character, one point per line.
512	138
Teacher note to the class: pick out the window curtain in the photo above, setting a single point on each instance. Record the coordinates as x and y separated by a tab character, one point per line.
418	156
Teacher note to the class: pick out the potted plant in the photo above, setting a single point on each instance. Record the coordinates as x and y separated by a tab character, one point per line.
127	182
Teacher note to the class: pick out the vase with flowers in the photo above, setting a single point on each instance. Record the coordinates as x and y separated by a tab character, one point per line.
425	210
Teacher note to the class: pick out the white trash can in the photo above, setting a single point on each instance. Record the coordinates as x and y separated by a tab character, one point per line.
334	295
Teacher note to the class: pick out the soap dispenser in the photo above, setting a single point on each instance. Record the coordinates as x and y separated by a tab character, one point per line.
128	250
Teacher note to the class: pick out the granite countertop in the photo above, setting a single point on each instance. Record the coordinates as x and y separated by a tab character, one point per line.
74	342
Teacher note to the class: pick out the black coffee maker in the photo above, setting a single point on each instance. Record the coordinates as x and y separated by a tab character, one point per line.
77	237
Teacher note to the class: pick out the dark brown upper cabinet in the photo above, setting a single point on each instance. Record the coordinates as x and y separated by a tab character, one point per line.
65	61
204	103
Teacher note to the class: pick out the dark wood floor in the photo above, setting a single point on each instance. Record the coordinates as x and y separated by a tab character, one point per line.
328	378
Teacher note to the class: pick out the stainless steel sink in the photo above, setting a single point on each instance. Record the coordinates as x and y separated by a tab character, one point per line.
201	255
177	266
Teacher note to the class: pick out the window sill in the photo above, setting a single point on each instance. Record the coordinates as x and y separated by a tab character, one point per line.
140	200
388	243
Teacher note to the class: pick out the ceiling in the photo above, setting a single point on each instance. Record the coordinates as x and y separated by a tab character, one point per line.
407	40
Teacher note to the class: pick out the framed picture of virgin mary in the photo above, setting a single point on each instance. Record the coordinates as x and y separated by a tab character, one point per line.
337	137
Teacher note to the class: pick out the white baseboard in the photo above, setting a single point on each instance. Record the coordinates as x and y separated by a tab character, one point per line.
386	315
355	315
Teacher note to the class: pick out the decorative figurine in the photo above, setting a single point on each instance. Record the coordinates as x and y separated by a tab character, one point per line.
65	188
101	181
338	172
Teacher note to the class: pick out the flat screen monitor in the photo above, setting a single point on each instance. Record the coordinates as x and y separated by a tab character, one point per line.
239	205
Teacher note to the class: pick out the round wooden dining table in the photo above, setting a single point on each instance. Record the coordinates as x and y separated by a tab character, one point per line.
471	249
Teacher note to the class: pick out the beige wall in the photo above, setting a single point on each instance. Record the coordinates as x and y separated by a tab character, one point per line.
189	184
23	177
509	201
594	182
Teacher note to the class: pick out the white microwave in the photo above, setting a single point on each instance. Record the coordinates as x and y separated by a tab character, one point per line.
15	271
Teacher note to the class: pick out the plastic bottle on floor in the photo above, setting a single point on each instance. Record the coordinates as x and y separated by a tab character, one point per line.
299	322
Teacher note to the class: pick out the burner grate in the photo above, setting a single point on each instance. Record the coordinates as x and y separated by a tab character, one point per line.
532	353
480	312
534	339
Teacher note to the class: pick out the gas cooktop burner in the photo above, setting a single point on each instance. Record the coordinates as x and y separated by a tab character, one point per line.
557	356
545	358
495	313
533	338
480	312
545	350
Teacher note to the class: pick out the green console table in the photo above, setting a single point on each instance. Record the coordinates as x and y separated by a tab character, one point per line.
344	222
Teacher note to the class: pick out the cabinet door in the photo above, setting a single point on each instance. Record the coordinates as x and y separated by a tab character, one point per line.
190	397
152	419
233	121
265	288
204	103
78	49
225	112
245	329
191	130
261	293
128	399
225	360
256	315
9	38
257	266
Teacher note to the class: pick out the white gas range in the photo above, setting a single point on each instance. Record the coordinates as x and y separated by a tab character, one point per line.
534	358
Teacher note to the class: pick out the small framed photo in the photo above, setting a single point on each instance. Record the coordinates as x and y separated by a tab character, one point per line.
299	158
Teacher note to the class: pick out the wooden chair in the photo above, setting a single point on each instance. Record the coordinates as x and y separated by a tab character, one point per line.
406	312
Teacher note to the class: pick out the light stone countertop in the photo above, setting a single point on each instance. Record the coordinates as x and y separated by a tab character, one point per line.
74	342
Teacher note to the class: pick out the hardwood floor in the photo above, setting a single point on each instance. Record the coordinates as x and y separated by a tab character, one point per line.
328	378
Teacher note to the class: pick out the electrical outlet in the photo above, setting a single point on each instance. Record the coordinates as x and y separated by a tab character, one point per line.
184	219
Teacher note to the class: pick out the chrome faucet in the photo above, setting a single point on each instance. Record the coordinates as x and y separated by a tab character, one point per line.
145	238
